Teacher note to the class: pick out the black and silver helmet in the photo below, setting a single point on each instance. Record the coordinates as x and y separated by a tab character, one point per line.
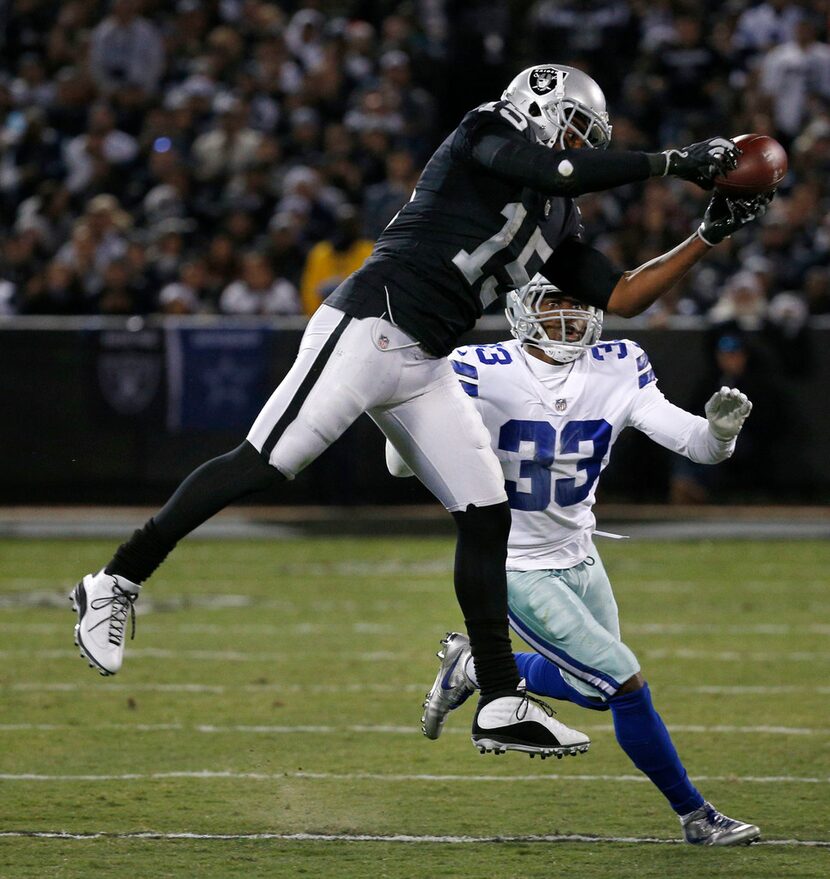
556	100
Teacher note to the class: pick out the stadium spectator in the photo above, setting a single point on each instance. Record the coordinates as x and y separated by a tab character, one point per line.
259	290
55	290
167	248
32	154
763	26
189	294
817	290
126	54
735	364
47	210
743	302
79	254
332	260
230	146
74	92
415	104
383	200
284	248
222	263
691	74
118	295
796	78
32	87
95	159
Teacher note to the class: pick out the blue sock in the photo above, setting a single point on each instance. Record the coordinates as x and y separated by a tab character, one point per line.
543	679
644	737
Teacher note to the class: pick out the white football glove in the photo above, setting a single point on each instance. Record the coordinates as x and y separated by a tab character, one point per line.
726	412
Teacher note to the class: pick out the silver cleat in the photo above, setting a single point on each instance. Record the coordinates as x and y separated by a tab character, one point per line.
707	826
451	687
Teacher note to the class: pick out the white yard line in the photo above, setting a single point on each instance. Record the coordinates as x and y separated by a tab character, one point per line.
367	687
387	838
387	729
205	655
165	624
210	774
136	653
216	689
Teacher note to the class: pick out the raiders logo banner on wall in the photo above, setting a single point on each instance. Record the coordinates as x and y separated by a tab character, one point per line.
129	369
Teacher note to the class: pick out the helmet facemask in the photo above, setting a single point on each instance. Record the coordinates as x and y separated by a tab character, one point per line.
566	117
564	333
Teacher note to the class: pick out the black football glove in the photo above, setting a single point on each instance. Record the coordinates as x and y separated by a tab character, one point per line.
726	215
701	162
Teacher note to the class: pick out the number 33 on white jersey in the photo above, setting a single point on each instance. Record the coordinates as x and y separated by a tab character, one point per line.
552	428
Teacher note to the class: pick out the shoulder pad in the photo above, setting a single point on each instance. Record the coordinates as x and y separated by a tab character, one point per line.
463	362
494	113
631	352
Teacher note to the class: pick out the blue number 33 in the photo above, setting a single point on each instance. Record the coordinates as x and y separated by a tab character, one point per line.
537	469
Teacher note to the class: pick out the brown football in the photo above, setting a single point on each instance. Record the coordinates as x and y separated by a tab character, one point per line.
761	166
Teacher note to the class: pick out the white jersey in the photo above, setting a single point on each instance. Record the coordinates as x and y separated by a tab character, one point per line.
552	427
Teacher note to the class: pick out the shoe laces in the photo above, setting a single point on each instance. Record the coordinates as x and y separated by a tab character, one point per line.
719	821
121	603
521	711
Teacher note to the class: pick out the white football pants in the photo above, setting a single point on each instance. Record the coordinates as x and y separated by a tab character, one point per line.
347	366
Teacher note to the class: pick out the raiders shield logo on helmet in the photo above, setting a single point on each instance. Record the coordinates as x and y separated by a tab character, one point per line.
545	79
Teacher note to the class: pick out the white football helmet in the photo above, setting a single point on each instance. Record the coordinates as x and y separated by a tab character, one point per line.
563	333
556	100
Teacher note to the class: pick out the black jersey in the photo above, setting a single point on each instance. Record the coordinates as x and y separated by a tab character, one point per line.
466	236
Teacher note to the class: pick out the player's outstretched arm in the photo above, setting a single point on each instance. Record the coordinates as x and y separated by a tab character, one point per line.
637	289
708	440
574	172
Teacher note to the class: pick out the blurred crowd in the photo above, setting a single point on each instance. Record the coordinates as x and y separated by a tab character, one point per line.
241	156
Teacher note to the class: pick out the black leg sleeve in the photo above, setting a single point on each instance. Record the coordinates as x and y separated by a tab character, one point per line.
208	489
481	589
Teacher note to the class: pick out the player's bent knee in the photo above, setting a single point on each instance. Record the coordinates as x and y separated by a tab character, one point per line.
297	448
634	683
250	471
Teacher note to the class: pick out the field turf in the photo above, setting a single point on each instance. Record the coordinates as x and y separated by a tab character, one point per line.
274	689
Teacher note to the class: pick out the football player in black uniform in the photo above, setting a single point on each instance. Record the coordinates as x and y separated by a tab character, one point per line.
493	207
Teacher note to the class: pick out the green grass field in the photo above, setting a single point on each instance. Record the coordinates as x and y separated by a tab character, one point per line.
274	688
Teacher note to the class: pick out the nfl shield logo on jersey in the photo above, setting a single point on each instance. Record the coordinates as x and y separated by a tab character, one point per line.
383	343
545	79
560	405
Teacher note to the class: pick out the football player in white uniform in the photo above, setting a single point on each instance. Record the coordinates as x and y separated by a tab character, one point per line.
554	400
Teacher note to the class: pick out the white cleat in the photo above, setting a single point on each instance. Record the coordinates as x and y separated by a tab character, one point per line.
707	826
451	688
103	602
523	723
